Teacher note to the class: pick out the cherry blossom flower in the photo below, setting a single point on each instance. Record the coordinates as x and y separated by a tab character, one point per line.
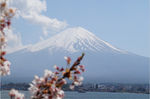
68	59
14	94
48	73
4	69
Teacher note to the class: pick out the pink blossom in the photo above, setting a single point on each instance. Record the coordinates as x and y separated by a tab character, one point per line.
5	69
14	94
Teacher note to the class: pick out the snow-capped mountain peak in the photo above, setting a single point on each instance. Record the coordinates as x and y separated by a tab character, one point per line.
103	61
74	40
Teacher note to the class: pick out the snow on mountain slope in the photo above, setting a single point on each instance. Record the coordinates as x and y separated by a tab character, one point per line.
74	40
103	61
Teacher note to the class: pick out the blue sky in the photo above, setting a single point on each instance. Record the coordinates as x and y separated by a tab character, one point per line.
122	23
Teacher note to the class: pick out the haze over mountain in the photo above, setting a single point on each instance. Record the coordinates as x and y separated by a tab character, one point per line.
103	62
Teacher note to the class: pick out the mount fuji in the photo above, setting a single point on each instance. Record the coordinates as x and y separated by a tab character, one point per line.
103	62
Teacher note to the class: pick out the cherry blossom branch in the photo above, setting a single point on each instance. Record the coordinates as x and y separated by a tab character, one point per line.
50	86
6	14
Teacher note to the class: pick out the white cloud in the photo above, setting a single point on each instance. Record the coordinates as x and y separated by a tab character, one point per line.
31	10
13	41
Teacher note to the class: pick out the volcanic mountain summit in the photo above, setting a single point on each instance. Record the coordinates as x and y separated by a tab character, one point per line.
75	40
103	62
